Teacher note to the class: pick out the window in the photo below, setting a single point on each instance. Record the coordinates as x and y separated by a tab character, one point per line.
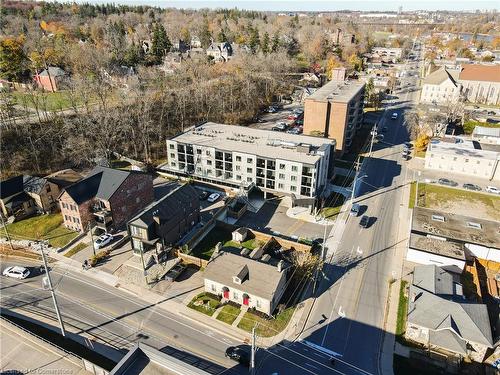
249	160
295	168
171	146
257	303
137	244
282	166
209	162
438	218
238	177
280	186
173	163
235	295
63	205
78	220
293	178
198	151
198	169
238	168
207	152
471	224
137	199
238	158
249	179
293	188
172	155
214	289
249	170
281	176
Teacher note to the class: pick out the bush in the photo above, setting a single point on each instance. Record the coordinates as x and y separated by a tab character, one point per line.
99	257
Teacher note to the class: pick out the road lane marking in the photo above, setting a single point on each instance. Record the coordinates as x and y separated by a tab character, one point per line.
341	313
321	348
359	251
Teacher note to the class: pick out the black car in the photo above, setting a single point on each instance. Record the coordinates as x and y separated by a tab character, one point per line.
407	145
471	187
238	354
365	221
445	181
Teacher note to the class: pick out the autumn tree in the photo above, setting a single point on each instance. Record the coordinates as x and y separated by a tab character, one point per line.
13	62
333	62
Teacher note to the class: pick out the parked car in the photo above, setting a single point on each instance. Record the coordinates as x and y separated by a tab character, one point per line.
406	151
394	116
365	221
299	122
292	117
280	127
380	137
445	181
204	195
238	354
103	240
298	111
16	272
271	109
295	131
407	145
472	187
492	113
492	189
355	209
213	197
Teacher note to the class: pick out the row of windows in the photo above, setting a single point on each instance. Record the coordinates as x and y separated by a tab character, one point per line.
461	160
69	206
236	296
71	219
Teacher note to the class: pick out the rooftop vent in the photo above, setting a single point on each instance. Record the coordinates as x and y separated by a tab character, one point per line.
439	218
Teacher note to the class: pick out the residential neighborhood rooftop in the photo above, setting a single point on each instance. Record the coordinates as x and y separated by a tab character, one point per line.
450	249
266	143
480	72
437	280
466	148
456	227
441	75
337	91
261	279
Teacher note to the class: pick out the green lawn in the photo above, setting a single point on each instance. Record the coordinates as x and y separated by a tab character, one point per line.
228	314
76	249
50	101
402	309
265	327
46	227
469	125
206	246
334	202
209	306
248	244
436	196
413	192
121	164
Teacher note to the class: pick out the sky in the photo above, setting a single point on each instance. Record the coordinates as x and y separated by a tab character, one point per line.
318	5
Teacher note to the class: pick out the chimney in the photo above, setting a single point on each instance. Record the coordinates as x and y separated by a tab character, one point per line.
338	74
157	219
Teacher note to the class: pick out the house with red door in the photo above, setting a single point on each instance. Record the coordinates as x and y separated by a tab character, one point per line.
252	283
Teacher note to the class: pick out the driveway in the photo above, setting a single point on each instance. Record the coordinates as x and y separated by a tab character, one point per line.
272	218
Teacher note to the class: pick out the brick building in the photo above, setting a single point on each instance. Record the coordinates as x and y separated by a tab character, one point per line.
107	197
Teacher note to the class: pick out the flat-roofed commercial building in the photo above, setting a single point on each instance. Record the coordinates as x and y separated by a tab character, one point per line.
237	156
335	111
469	158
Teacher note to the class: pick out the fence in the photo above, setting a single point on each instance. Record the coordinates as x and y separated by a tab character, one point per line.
190	259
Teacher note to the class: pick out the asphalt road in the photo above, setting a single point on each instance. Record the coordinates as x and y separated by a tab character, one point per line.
347	319
116	318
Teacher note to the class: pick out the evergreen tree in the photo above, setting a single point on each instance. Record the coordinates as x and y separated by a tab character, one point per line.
264	44
160	43
276	43
254	40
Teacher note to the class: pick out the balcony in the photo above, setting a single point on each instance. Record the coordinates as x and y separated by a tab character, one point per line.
261	163
306	172
306	181
271	165
102	217
260	172
228	157
260	182
270	184
219	165
181	149
218	155
189	150
270	175
229	167
305	191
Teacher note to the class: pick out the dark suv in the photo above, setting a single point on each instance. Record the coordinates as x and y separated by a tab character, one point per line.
445	181
238	354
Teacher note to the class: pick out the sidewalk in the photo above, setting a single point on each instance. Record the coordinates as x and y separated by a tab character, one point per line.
303	213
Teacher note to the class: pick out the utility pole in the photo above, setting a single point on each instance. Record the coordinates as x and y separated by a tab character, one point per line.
91	237
356	167
373	138
56	306
6	231
252	357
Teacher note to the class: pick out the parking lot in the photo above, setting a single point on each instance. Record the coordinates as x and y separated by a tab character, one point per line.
272	219
268	120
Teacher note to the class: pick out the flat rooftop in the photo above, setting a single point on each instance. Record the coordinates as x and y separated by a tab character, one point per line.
265	143
449	249
472	149
456	227
337	91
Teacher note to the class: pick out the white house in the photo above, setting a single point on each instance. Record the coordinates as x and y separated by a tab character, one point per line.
440	318
441	87
246	281
220	51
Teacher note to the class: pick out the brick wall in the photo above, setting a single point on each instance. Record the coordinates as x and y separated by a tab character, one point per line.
135	193
75	217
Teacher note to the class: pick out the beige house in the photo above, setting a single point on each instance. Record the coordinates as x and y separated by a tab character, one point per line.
441	87
248	282
481	83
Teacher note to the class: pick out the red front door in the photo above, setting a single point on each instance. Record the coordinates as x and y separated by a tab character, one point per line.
245	300
226	293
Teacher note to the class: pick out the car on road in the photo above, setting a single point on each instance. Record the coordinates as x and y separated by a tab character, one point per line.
295	131
213	197
271	109
406	151
355	209
238	354
380	137
394	116
492	189
445	181
16	272
103	240
407	145
471	187
280	127
365	221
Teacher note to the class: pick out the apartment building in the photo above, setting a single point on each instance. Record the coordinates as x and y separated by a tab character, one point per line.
335	111
277	163
441	87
